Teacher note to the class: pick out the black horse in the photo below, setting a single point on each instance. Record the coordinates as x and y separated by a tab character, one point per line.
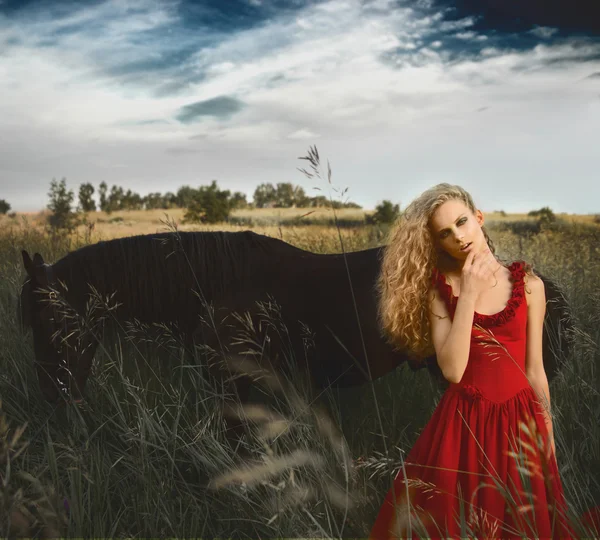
177	278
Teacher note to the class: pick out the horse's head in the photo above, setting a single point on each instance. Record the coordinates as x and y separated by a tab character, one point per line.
56	339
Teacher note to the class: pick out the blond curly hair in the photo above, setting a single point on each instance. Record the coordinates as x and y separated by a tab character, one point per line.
406	270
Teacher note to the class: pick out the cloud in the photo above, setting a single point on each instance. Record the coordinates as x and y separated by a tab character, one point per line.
147	122
544	32
303	134
220	107
180	150
163	92
471	36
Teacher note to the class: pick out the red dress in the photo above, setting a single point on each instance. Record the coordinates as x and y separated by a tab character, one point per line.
485	452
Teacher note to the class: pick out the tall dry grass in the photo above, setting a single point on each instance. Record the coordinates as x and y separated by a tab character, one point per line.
139	456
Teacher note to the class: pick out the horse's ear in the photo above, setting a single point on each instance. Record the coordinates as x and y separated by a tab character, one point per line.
28	264
36	268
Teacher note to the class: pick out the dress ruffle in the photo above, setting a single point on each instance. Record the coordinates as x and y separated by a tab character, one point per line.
517	272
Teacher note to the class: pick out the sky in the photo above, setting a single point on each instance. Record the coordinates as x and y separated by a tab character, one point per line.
502	98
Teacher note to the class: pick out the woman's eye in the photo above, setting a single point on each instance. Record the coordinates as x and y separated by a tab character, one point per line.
460	222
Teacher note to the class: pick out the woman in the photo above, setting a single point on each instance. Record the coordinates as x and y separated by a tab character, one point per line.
485	464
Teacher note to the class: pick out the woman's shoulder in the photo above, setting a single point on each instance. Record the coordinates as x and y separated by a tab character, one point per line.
533	283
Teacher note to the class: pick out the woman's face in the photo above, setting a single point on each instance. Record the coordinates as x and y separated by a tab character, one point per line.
454	226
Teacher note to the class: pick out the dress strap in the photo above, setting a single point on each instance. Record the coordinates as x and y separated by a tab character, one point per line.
517	272
439	281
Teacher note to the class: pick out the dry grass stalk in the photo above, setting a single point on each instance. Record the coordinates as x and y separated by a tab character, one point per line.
252	475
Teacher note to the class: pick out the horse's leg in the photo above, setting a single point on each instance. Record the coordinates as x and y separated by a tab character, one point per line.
49	369
48	380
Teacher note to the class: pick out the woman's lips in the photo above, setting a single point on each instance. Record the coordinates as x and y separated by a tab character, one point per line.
466	247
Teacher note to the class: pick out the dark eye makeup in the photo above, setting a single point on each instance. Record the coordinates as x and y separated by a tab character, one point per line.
460	222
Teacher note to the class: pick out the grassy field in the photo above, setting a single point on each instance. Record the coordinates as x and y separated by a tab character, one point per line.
263	220
145	454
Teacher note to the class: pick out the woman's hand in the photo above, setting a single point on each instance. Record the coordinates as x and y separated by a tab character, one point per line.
478	272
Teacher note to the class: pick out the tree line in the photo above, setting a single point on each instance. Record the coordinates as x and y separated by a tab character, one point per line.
266	195
205	204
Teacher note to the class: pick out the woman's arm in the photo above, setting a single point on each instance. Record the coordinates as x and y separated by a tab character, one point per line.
451	338
534	364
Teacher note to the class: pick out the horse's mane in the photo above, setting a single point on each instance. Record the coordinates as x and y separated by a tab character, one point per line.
157	275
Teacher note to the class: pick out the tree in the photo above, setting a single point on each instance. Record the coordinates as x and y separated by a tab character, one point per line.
351	204
386	212
131	201
319	201
289	195
4	207
61	199
115	199
170	200
545	215
210	205
265	195
284	197
301	199
153	201
86	202
102	191
238	200
185	196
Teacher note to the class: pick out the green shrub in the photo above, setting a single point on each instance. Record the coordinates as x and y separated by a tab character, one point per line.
209	205
385	212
